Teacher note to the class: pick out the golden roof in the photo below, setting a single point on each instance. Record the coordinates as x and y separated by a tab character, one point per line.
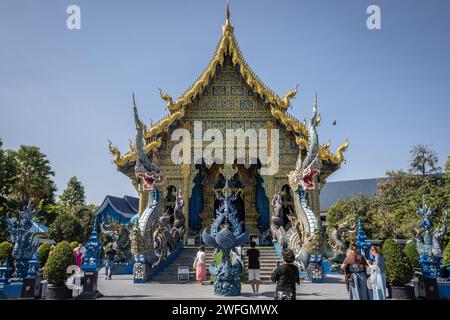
227	45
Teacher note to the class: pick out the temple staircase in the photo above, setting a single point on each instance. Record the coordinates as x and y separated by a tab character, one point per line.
268	260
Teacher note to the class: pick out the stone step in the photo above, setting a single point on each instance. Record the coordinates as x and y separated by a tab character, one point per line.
268	260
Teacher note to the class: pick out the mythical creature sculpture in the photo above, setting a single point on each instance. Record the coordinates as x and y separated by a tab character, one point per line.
179	225
224	237
25	242
335	248
277	226
305	235
120	235
428	246
310	238
151	237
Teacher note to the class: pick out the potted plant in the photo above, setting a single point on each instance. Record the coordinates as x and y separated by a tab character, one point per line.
55	271
398	270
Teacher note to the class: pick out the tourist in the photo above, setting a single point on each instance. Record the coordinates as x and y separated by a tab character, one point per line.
354	267
254	274
78	254
377	274
287	276
110	253
200	265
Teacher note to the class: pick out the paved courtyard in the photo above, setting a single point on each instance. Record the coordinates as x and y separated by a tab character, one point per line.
122	287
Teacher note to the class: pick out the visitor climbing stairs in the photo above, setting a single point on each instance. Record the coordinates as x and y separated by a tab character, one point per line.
186	258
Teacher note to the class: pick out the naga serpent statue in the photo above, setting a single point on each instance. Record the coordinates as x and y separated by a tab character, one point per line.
335	248
25	242
225	235
152	237
429	247
120	235
305	236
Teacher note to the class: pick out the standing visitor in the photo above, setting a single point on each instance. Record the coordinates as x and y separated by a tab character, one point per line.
287	276
254	274
78	254
377	274
200	265
354	267
110	253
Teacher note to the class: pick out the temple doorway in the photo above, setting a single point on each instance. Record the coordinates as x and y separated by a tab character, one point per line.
252	204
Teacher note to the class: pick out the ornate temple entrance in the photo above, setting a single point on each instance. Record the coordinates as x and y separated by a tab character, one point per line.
252	203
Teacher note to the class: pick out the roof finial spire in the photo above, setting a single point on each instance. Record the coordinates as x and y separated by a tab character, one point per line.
228	28
228	13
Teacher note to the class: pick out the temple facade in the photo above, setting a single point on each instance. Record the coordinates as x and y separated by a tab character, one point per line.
227	95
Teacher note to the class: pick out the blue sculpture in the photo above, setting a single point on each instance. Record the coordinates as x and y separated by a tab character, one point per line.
225	236
361	242
25	243
4	273
92	261
428	246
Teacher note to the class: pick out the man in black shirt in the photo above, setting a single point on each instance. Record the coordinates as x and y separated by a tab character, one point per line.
286	276
253	267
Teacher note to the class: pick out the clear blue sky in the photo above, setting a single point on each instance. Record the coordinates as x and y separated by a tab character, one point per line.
68	91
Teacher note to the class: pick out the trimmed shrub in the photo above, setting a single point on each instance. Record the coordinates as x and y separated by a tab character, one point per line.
447	254
6	249
43	252
56	268
398	269
73	244
412	254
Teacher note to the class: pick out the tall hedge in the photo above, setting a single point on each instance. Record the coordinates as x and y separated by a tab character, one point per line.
412	254
398	268
447	254
60	258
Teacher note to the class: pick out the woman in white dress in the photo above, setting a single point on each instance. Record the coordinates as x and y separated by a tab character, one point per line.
200	265
377	274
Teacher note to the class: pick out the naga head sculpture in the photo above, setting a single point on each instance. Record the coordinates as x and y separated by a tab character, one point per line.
308	168
146	171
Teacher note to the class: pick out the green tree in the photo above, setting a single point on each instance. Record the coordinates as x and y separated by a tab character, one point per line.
8	174
48	213
66	227
34	177
74	193
398	269
8	171
361	206
424	160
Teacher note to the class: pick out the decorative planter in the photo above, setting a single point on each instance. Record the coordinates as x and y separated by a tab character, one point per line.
59	293
402	293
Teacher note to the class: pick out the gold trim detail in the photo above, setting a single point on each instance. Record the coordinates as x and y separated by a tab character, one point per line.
325	154
130	156
228	45
163	124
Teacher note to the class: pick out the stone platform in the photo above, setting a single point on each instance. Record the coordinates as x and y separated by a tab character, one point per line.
122	287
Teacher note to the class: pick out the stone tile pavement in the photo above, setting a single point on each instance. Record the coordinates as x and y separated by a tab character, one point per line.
122	287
